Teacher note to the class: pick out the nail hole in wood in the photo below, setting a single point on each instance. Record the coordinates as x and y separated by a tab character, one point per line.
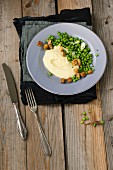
106	22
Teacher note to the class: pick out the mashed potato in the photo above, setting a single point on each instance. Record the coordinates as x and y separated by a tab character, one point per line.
57	64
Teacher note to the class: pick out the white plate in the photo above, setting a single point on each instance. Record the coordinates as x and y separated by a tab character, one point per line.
52	84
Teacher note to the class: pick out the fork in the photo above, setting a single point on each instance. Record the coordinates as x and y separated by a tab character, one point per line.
33	107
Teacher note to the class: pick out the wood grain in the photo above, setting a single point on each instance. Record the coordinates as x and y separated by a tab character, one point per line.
73	4
50	116
38	7
103	24
85	147
12	148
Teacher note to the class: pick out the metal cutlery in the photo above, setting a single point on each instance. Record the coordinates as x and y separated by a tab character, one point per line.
33	107
14	98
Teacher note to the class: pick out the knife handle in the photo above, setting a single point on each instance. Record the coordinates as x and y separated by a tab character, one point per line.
20	124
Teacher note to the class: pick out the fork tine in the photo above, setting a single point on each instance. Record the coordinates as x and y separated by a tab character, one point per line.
28	97
33	97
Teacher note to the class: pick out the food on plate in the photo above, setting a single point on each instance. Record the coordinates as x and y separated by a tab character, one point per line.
97	55
69	80
57	64
50	74
63	80
40	44
90	72
68	57
46	46
83	74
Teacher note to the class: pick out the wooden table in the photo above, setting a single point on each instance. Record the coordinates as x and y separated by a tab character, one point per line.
74	146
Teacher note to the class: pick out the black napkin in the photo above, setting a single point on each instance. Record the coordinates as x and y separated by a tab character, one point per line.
42	96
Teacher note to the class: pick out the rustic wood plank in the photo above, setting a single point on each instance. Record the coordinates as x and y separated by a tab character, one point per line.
85	144
12	147
73	4
103	26
38	7
51	116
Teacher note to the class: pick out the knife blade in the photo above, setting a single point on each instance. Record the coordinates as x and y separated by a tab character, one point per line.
14	98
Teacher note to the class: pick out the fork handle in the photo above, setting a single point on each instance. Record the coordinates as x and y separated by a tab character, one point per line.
44	142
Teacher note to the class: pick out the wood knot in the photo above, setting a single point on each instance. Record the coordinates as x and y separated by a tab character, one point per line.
107	19
111	137
29	4
16	60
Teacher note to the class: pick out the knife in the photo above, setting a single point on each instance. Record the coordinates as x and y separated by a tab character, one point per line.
14	98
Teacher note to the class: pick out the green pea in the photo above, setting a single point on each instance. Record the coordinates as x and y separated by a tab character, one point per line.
84	113
71	39
54	44
74	57
90	55
74	80
65	41
87	118
96	55
102	122
50	74
90	62
81	40
69	58
94	125
73	77
59	33
60	43
83	118
82	122
88	49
